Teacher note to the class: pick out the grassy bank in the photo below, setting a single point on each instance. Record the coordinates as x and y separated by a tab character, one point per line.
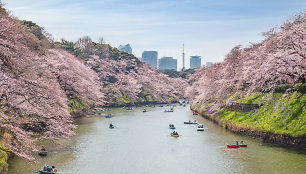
281	113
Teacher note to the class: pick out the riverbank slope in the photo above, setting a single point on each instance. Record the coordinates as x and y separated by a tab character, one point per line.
275	117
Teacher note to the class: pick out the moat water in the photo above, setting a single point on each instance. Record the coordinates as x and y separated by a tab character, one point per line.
141	143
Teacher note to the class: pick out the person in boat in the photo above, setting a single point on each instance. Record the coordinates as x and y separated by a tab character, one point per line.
53	169
195	121
43	148
45	167
111	125
49	169
189	121
237	143
241	142
172	125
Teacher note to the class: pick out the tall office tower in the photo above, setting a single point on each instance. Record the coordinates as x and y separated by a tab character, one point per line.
150	57
195	61
167	63
126	48
183	69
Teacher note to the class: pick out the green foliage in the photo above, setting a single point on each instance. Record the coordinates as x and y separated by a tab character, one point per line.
3	156
174	74
76	105
172	99
283	113
69	46
252	99
125	99
34	29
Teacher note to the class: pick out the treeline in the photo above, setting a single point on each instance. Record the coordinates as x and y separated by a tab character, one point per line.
44	83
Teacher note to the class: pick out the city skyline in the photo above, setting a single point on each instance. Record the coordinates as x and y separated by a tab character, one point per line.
208	28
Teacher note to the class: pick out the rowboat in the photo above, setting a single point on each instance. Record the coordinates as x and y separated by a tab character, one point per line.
45	172
171	127
233	146
200	127
176	136
195	113
108	116
144	111
185	122
243	145
43	153
111	127
169	111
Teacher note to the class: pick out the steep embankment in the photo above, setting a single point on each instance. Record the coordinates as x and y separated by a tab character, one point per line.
259	91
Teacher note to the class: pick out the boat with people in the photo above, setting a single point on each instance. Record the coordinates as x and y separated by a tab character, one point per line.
43	153
111	126
242	144
129	109
171	126
144	110
233	146
200	127
174	134
190	122
108	116
47	170
195	113
237	145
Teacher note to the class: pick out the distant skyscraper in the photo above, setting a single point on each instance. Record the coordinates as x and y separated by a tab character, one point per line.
183	69
195	61
208	64
167	63
127	48
150	57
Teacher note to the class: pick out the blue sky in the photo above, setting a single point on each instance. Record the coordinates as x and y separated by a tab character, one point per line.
209	28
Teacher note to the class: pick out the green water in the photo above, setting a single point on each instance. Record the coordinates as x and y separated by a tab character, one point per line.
141	143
